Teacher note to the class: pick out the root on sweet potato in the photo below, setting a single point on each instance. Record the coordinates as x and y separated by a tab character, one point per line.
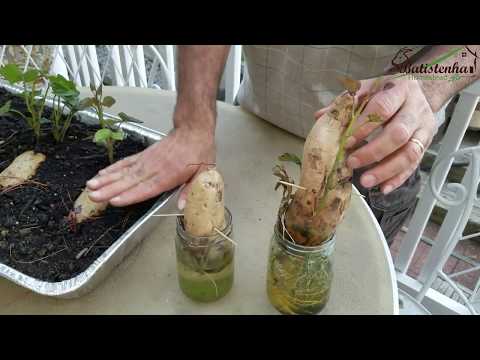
23	168
204	210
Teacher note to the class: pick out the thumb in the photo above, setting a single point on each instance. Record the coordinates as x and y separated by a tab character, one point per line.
182	198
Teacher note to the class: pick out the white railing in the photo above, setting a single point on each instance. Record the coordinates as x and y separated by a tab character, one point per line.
126	65
451	230
80	63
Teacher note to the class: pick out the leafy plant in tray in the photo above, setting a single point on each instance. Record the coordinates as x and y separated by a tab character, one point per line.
38	191
66	96
32	81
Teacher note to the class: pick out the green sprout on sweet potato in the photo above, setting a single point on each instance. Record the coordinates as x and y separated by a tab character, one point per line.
107	138
112	133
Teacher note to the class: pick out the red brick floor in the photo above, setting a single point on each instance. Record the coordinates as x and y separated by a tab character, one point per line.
468	248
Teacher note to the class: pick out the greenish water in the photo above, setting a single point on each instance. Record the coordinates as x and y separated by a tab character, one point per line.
205	286
296	285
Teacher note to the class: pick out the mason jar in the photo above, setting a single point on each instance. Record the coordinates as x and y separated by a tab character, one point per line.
299	277
205	264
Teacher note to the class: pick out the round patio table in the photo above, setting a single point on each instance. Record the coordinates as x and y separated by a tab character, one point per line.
146	281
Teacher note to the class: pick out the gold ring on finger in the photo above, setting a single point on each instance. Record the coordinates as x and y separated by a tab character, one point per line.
419	143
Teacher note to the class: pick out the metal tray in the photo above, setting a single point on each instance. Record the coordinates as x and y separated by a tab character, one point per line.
113	256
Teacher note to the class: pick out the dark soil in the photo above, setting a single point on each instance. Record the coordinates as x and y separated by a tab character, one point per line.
36	237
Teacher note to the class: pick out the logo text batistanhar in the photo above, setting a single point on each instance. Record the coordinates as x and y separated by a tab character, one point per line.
437	69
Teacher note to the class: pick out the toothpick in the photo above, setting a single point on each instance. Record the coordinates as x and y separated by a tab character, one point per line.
168	215
292	185
224	236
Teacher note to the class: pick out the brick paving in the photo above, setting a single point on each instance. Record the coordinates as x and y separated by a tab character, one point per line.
467	248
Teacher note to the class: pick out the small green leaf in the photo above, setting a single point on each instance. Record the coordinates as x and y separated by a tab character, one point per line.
64	88
100	90
92	87
375	118
290	158
128	118
118	135
102	135
351	85
31	76
108	101
85	103
5	108
109	122
11	73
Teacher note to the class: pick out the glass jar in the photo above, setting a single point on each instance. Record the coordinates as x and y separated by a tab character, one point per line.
205	264
299	278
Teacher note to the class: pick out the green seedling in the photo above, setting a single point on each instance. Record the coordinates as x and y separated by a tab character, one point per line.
108	137
98	102
67	96
34	100
110	132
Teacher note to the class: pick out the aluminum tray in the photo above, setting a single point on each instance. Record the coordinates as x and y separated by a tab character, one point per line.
113	256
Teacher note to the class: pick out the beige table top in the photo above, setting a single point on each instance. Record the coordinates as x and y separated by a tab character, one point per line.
146	282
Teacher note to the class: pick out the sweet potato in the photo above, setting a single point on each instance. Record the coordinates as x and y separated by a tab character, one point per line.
85	208
204	210
23	168
314	213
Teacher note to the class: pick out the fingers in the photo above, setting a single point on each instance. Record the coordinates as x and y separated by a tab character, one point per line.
396	181
396	168
119	164
102	180
121	181
413	153
385	104
141	191
395	134
406	159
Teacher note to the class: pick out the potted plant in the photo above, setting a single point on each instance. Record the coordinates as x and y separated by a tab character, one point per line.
50	230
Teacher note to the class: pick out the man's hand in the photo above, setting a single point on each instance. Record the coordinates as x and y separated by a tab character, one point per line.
407	119
187	150
171	162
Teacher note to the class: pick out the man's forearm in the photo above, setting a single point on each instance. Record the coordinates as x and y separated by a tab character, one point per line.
200	68
438	92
